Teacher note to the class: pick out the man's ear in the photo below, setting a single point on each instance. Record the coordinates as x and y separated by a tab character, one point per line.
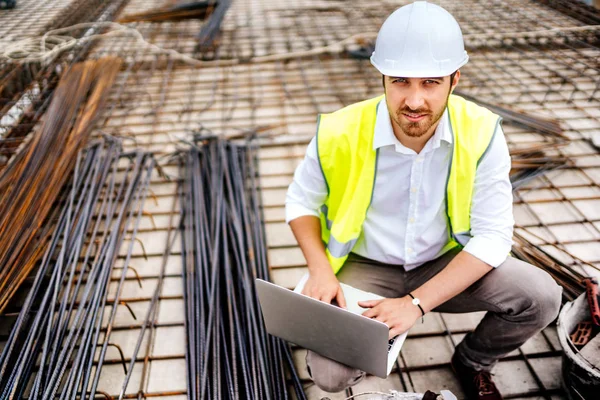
454	82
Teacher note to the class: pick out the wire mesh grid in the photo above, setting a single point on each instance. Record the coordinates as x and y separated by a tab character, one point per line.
26	88
254	28
31	18
157	102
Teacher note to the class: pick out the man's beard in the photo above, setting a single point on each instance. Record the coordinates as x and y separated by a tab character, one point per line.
420	128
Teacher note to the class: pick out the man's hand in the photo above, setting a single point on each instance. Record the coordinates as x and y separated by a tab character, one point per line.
398	314
322	283
324	286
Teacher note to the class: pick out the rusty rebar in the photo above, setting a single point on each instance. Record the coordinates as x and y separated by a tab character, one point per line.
30	185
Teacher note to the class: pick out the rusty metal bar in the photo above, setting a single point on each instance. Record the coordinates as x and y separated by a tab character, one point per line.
31	184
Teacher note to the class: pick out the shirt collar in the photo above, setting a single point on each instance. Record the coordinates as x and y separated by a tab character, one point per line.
384	133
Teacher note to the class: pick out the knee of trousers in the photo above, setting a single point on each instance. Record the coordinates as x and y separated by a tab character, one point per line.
331	376
545	299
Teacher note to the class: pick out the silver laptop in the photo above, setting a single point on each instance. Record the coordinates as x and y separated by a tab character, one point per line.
342	335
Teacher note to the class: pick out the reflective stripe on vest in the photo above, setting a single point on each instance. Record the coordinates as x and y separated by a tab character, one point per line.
349	163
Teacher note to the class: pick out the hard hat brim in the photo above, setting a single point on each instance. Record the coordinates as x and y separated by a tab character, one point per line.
419	73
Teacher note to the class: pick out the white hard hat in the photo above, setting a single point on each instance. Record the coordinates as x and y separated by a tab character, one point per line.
419	40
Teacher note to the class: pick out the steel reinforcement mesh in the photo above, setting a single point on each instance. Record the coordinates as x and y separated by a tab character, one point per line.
523	55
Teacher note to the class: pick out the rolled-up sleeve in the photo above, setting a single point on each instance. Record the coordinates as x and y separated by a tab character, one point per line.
308	191
492	219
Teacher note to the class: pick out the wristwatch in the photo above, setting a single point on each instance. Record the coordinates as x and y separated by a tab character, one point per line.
417	302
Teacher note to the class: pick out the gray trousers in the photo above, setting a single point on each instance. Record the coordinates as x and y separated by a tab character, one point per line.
520	301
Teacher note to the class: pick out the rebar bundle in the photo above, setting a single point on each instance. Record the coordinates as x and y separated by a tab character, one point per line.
529	162
229	354
31	183
52	348
212	28
576	9
567	276
174	12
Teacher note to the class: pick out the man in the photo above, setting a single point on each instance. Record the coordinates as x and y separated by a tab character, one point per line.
408	196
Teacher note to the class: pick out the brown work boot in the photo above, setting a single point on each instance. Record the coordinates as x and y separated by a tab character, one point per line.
477	385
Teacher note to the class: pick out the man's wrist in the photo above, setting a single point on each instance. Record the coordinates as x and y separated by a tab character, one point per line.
415	301
415	312
320	267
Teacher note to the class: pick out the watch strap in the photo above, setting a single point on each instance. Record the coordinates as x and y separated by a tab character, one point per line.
417	303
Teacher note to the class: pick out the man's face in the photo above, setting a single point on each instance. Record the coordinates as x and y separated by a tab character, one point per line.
417	104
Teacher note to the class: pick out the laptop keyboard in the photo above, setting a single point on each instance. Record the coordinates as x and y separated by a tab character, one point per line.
391	343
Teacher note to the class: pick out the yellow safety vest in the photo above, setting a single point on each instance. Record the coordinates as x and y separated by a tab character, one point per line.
349	163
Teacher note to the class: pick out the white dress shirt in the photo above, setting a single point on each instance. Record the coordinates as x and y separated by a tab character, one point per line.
406	223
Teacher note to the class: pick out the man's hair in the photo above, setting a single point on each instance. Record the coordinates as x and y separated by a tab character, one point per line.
451	82
452	75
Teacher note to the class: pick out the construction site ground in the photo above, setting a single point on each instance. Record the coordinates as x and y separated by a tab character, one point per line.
160	99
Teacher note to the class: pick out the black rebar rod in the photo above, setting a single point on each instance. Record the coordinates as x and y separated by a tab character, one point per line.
152	310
